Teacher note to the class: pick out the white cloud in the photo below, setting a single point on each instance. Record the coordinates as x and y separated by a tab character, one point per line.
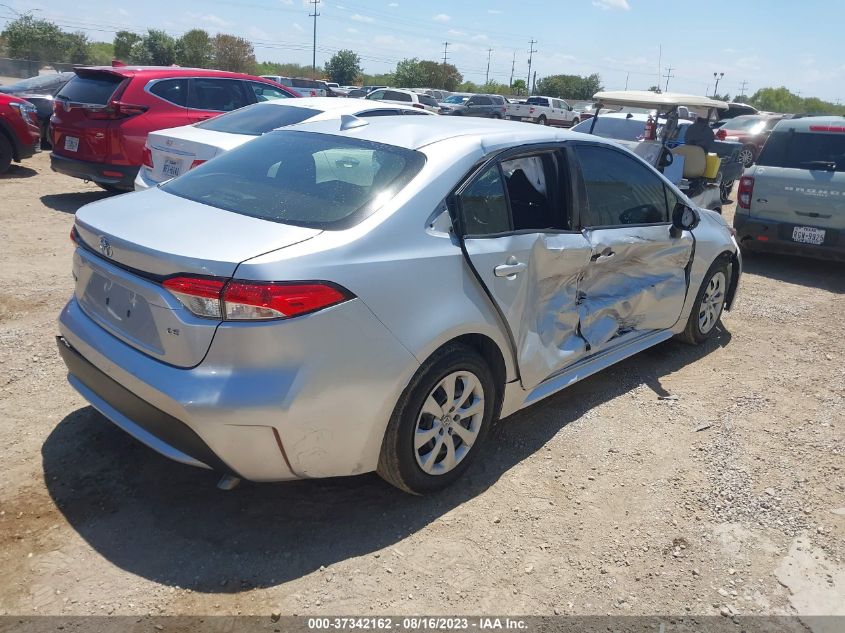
455	33
393	4
351	30
298	26
210	18
363	18
442	17
479	38
287	2
607	5
257	34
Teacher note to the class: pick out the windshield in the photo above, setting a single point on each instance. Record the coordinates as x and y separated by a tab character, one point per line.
257	119
302	178
620	129
458	99
750	124
42	82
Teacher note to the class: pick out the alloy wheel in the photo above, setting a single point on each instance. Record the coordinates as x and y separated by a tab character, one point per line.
712	303
449	422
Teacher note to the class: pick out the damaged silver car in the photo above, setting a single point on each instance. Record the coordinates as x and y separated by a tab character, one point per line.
356	295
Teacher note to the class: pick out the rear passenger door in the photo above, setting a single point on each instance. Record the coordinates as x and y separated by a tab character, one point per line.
516	219
636	279
210	96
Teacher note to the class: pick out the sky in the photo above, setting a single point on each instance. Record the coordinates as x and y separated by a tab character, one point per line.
800	45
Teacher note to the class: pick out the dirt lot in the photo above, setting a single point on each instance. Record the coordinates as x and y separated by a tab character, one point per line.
685	480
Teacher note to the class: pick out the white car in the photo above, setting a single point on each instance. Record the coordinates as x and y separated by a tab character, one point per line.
171	152
544	111
407	97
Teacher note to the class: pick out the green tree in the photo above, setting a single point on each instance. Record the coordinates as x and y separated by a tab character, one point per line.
439	76
233	53
384	79
28	38
409	74
518	86
195	49
285	70
123	43
77	49
343	67
569	86
102	53
776	100
654	89
156	48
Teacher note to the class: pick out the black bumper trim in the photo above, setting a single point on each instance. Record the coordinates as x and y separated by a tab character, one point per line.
155	421
777	239
94	171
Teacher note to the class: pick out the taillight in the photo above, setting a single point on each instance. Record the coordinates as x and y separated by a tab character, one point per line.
253	301
418	105
114	110
721	134
530	110
147	160
196	163
73	235
746	190
827	128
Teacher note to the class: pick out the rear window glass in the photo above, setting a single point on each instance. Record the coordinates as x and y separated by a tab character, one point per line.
537	101
302	178
804	150
172	90
305	83
96	89
257	119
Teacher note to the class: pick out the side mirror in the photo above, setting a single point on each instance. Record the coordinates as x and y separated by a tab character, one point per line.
684	218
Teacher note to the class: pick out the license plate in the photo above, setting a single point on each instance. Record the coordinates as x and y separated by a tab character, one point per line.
808	235
71	143
172	168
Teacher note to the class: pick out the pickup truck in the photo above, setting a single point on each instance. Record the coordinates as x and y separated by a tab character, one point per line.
544	111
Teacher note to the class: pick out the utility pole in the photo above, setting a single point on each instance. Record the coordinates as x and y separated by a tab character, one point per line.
534	84
487	76
314	15
627	75
742	88
668	76
445	50
717	77
513	66
530	59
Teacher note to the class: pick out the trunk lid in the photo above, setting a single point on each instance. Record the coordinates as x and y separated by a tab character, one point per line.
77	133
131	242
174	151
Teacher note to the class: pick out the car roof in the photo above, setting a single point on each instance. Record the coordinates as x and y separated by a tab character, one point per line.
339	106
813	124
160	71
418	132
635	116
649	99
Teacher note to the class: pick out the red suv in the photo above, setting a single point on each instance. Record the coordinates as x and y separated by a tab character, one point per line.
102	116
20	134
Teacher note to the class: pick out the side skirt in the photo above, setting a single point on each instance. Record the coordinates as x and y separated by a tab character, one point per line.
516	397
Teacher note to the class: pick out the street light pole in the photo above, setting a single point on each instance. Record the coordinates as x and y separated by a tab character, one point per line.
717	77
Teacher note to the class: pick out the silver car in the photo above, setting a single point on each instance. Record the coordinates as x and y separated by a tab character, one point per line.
340	297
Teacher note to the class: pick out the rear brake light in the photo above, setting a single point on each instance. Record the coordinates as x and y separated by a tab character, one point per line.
73	234
196	163
253	301
721	135
530	110
147	160
827	128
746	191
114	110
418	105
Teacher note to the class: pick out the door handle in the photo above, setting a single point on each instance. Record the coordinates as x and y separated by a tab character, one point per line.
511	268
603	256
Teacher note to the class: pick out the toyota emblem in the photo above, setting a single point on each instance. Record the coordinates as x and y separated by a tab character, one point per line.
105	246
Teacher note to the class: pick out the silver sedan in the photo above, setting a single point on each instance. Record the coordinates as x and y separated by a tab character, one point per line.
353	295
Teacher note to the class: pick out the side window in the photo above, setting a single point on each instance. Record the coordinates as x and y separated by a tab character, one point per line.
483	101
384	112
266	92
619	189
221	95
472	101
392	95
483	205
378	94
173	90
531	183
429	101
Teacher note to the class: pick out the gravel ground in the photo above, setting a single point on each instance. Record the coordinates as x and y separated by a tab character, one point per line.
683	481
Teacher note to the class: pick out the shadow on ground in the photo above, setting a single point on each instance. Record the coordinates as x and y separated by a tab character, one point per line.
168	523
18	171
801	271
70	202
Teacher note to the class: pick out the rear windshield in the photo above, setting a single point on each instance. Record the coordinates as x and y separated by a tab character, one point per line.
40	82
96	89
302	178
537	101
257	119
804	150
751	124
305	83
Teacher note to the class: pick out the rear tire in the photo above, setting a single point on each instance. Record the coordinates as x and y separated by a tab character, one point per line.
575	122
541	120
440	422
709	304
746	156
6	154
111	188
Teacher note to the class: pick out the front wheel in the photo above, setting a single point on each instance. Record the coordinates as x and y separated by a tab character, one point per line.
440	422
708	306
5	154
575	122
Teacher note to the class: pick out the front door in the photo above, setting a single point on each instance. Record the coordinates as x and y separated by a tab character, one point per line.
517	225
636	280
209	97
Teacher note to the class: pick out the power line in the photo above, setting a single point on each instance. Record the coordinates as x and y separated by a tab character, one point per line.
530	59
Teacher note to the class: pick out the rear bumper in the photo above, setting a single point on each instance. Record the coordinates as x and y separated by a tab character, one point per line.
121	176
755	234
270	401
144	182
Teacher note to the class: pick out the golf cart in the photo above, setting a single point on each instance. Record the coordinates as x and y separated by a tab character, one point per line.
705	178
